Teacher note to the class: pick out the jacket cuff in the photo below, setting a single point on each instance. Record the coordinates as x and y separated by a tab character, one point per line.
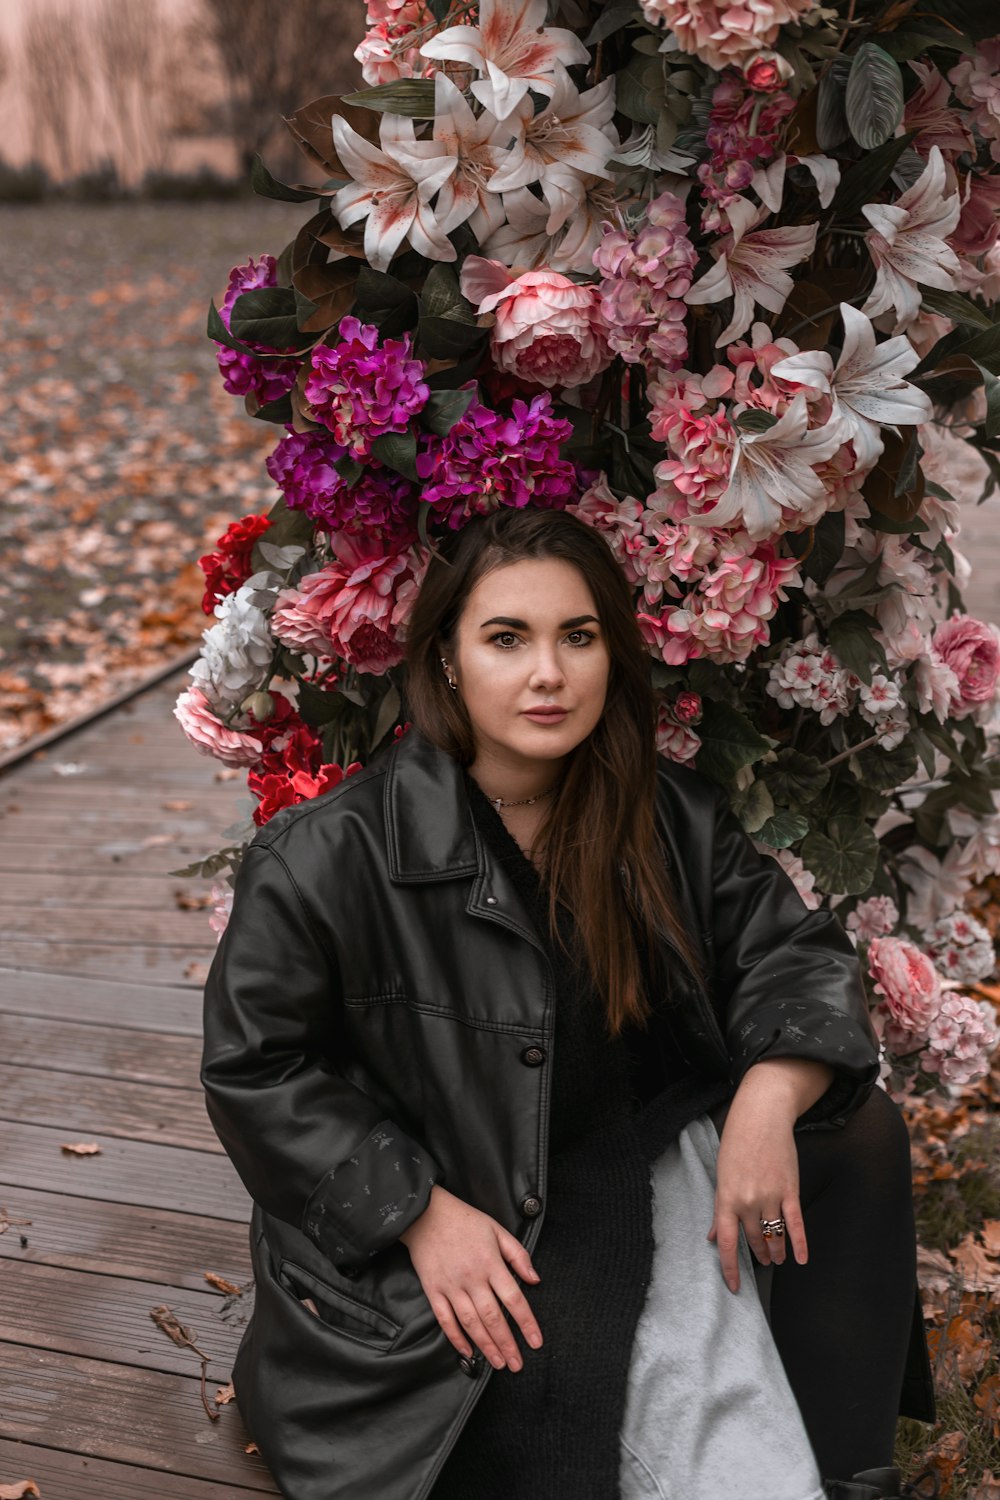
364	1204
789	1028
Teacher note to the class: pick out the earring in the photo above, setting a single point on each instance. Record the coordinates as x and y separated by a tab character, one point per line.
451	681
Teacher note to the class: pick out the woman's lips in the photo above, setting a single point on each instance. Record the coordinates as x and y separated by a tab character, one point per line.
546	715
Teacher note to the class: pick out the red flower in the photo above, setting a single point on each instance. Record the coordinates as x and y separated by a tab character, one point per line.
276	791
230	566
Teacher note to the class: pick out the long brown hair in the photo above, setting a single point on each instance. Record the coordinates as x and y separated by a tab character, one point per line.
602	817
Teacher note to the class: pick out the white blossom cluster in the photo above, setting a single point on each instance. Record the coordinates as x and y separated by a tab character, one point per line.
235	654
960	947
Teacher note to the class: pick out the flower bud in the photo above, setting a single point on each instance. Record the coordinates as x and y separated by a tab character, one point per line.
259	705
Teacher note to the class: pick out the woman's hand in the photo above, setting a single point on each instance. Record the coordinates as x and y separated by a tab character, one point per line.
757	1172
459	1255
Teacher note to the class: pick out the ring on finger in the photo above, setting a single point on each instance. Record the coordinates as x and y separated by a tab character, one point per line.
769	1227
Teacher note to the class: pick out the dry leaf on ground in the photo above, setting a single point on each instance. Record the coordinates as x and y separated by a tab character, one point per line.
225	1394
167	1321
222	1285
19	1491
946	1455
81	1148
987	1400
6	1220
251	1448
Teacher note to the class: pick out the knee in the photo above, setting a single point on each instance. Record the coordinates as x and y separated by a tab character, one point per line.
872	1147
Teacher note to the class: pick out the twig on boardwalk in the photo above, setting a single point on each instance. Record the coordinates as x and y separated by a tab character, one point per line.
167	1321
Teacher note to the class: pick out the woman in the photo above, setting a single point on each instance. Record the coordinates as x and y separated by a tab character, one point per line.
518	972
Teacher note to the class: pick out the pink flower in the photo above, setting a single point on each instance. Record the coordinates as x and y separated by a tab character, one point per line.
391	48
721	34
620	522
972	651
765	73
908	982
872	918
211	737
675	741
265	374
362	390
548	328
222	907
352	608
961	1041
930	112
698	437
802	879
979	226
687	708
977	83
644	280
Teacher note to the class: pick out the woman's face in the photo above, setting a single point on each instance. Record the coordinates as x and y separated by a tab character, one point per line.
529	637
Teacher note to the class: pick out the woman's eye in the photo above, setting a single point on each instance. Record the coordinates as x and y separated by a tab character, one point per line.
499	636
587	636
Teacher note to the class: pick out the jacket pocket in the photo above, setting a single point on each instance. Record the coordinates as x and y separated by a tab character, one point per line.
341	1313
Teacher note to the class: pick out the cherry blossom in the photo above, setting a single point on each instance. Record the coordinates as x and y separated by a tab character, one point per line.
752	268
392	188
513	50
907	242
867	386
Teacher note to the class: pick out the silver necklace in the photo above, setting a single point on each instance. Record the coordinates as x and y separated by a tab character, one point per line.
499	802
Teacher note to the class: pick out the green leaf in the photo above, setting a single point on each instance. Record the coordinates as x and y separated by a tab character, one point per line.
413	97
852	641
866	177
885	770
439	9
709	680
956	306
266	186
755	420
843	858
877	520
349	469
397	450
611	19
266	315
991	422
827	538
783	829
319	706
385	301
446	338
388	713
753	806
288	528
304	308
904	43
831	121
637	86
924	747
441	296
728	742
445	408
795	778
873	99
217	330
279	410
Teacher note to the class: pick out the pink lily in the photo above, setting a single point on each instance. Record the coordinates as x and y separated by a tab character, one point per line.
907	243
392	188
752	268
512	48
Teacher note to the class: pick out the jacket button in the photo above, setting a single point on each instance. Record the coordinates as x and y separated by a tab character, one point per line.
469	1366
531	1206
532	1057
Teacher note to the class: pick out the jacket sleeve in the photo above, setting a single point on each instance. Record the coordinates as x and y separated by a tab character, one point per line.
311	1148
787	978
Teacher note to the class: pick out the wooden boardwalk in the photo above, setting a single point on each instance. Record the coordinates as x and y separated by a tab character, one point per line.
101	968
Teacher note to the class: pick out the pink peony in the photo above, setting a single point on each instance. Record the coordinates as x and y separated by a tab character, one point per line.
908	982
353	608
211	737
961	1041
721	34
698	437
728	613
976	81
972	651
548	329
618	521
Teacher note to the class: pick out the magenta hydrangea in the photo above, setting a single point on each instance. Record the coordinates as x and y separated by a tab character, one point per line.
361	389
303	467
266	374
644	280
488	460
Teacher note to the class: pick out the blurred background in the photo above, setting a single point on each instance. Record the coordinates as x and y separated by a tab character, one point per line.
127	130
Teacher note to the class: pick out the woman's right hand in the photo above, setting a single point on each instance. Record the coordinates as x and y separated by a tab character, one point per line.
460	1256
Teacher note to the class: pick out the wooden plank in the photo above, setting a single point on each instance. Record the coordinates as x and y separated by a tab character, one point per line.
121	1239
150	1176
123	1414
103	1051
92	826
108	1317
119	857
80	1105
138	893
168	928
101	1002
184	966
67	1476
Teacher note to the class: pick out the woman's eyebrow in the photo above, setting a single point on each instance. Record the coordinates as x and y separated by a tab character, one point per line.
523	624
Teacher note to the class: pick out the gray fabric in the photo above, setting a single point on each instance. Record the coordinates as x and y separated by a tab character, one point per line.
709	1411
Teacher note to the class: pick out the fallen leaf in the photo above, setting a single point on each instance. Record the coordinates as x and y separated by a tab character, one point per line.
991	1236
987	1400
979	1271
195	971
935	1271
225	1394
946	1455
988	1487
156	839
972	1348
6	1221
188	901
177	805
222	1285
168	1322
20	1490
251	1448
81	1148
228	773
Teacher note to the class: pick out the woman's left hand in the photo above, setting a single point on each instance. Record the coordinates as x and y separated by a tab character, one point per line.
757	1172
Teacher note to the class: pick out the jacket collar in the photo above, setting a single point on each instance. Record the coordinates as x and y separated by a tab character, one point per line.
429	829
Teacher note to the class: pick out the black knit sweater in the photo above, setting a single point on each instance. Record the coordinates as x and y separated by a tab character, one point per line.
550	1431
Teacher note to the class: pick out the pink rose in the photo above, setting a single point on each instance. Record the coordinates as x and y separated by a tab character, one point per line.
907	981
675	741
354	607
687	709
764	74
548	329
211	737
972	651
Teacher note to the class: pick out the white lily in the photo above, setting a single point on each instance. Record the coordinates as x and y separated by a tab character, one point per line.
512	48
479	149
769	182
525	241
907	243
572	138
392	188
752	267
772	472
867	387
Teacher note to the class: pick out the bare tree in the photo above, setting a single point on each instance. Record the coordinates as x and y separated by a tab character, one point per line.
127	45
276	55
58	85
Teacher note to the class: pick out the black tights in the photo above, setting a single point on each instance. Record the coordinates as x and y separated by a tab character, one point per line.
842	1322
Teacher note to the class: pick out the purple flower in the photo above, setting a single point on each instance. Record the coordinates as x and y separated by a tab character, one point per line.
488	460
382	501
271	375
361	390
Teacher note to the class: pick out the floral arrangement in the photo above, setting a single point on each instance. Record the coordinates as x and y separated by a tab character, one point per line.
720	281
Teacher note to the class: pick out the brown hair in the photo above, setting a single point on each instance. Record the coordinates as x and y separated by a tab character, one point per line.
602	816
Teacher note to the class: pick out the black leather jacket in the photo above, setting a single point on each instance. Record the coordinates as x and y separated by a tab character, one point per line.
373	1018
